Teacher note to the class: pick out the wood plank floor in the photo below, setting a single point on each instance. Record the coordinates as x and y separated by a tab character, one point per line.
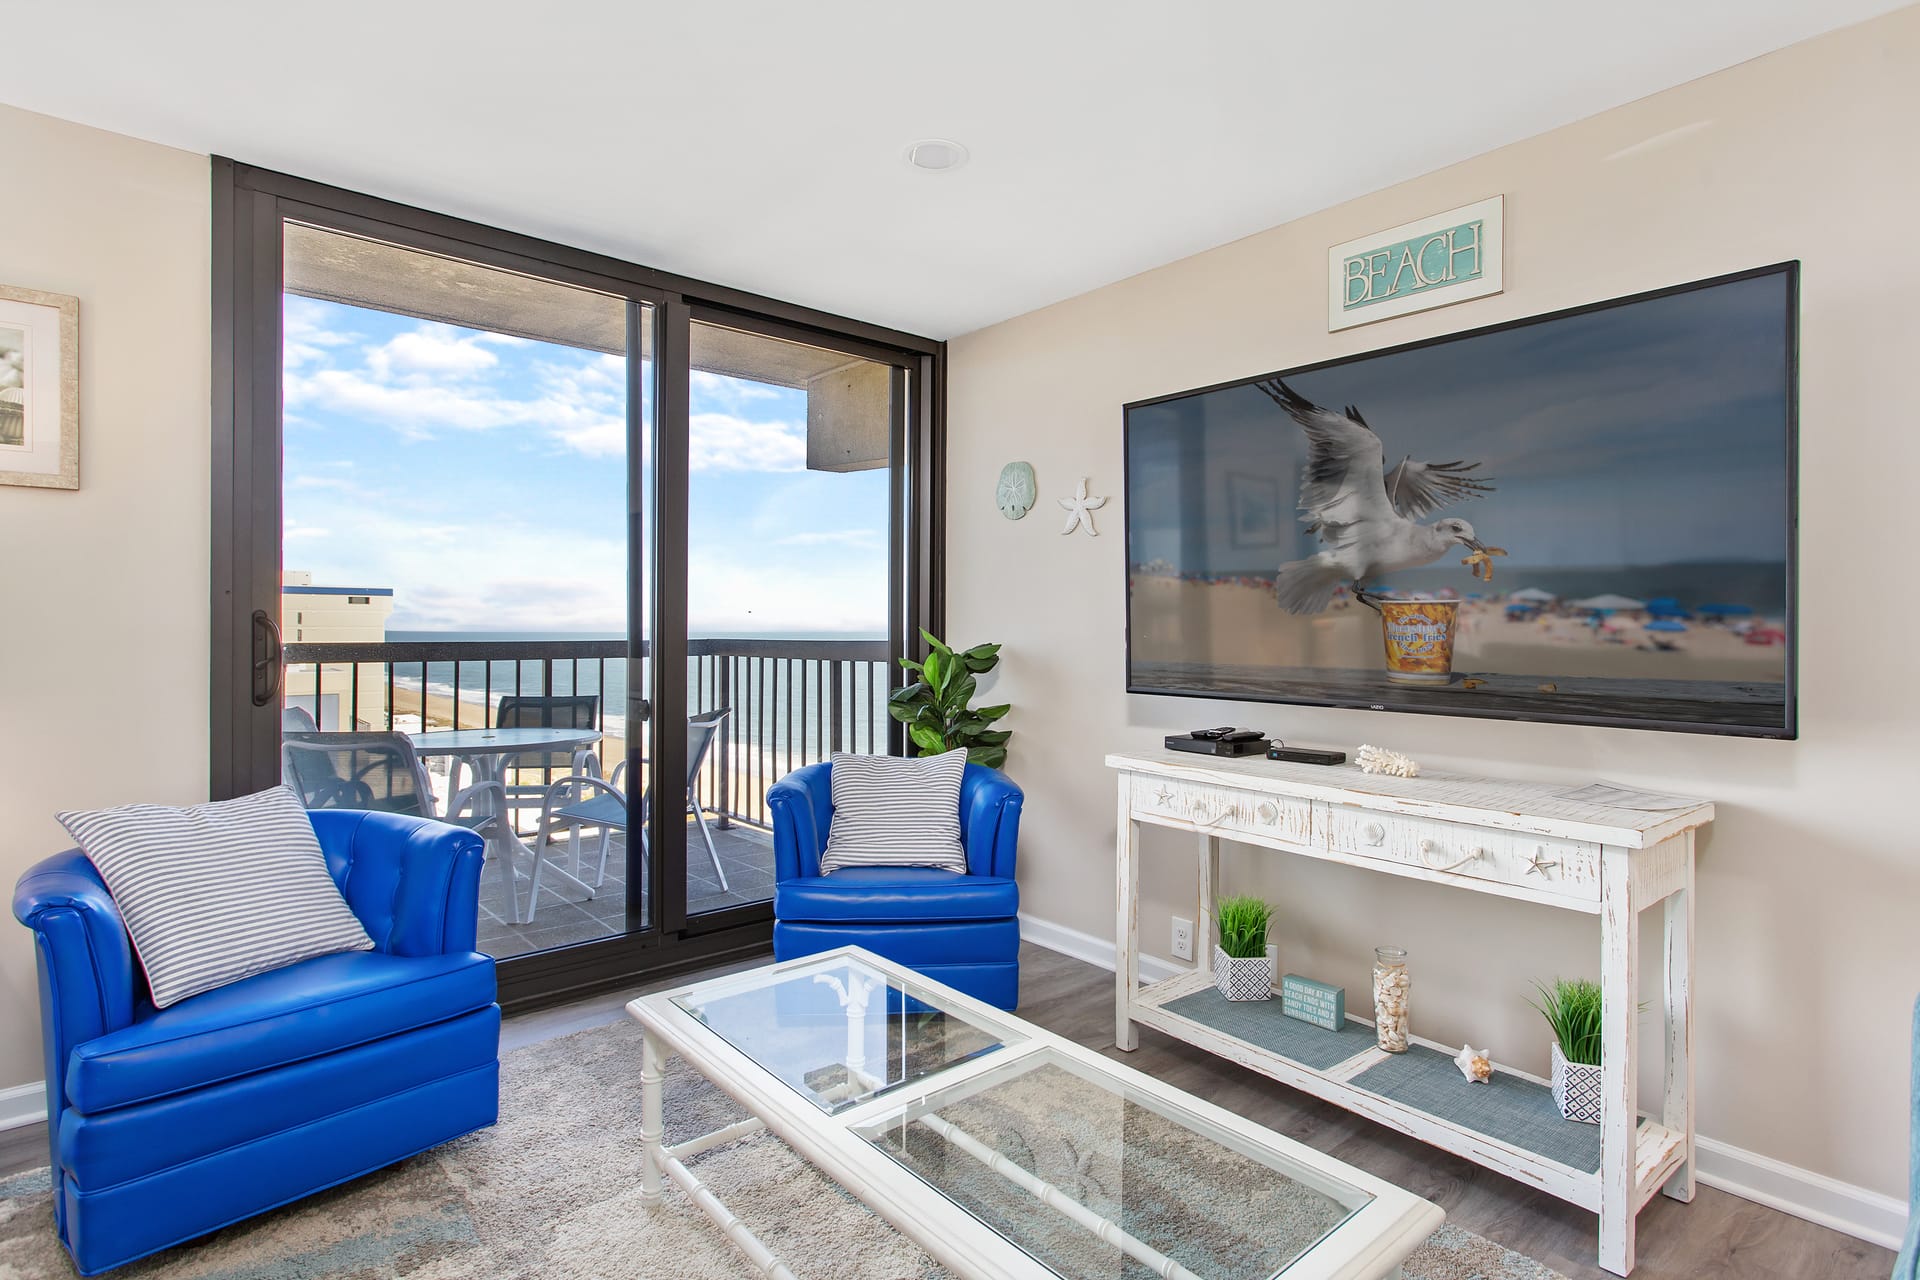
1717	1237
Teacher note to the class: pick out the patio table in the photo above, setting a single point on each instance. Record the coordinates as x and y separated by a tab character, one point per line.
487	752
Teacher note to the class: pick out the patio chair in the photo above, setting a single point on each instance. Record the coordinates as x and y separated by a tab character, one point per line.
297	720
380	771
526	711
376	771
590	799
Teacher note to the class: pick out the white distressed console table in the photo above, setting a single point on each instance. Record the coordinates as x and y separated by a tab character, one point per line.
1517	840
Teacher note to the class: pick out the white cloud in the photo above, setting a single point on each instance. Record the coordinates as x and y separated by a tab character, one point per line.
724	442
606	438
411	410
305	337
433	351
734	392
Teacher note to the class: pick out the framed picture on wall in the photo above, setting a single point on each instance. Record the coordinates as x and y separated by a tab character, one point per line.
39	389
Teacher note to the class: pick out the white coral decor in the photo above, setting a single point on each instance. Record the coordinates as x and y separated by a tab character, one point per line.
1380	760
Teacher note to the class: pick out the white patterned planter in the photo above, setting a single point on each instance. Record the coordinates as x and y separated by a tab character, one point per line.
1243	978
1576	1089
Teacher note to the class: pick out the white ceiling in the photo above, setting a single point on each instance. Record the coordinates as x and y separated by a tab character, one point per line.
759	144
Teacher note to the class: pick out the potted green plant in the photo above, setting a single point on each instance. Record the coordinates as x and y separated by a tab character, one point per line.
1572	1007
1242	969
935	706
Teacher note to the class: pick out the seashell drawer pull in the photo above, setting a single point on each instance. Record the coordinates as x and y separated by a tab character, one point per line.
1373	833
1268	812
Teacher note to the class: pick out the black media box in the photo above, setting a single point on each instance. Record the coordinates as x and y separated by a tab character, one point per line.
1211	747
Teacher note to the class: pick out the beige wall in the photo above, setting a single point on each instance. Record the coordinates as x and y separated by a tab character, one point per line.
103	592
1810	881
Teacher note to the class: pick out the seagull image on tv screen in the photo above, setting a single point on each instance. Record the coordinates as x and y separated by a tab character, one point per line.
1365	514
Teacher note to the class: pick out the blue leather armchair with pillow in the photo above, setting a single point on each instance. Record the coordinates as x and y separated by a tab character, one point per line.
168	1123
963	930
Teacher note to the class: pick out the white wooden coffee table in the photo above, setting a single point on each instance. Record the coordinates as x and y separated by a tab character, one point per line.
1001	1149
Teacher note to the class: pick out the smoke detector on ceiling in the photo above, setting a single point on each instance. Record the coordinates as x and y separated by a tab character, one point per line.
936	155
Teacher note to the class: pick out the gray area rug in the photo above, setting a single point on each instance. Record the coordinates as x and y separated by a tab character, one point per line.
553	1191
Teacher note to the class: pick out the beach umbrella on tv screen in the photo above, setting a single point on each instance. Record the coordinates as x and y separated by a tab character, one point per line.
1666	624
1534	594
1726	610
1610	603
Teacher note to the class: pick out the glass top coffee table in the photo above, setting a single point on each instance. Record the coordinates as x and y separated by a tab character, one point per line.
1001	1149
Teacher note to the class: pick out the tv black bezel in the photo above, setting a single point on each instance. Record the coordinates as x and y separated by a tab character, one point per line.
1789	730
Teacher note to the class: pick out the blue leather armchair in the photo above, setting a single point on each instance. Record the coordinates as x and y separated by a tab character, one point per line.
963	930
165	1124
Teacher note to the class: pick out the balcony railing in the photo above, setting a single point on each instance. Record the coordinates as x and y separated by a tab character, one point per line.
793	701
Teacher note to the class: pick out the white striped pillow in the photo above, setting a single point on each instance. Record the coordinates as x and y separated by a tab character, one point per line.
218	892
889	811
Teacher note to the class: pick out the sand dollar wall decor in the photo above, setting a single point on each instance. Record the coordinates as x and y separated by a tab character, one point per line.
1015	493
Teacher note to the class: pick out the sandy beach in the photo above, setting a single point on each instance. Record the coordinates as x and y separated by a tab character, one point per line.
1238	623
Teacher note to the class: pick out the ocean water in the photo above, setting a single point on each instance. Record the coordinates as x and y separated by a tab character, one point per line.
776	704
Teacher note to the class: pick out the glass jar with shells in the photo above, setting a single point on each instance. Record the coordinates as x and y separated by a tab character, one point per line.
1391	985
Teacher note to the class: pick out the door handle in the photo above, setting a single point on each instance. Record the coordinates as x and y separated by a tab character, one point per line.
640	710
267	667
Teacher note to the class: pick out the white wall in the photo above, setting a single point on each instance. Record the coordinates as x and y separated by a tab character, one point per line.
1810	880
103	591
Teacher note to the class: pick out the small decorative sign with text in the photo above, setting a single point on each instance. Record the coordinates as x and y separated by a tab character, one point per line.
1321	1003
1449	257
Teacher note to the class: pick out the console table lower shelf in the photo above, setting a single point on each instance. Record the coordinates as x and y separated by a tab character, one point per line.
1510	1124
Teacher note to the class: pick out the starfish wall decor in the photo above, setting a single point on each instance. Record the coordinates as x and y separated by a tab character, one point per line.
1080	509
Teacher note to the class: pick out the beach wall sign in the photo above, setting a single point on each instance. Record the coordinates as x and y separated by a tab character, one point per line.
1433	262
1321	1003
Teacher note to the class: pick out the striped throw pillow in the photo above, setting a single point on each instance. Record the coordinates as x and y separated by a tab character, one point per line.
889	811
217	892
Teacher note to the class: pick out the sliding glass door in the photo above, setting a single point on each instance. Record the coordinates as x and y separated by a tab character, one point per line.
791	561
461	450
591	557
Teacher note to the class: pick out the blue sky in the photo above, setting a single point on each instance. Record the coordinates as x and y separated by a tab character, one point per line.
483	478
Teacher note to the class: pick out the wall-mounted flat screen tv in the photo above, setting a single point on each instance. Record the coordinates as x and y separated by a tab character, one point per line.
1585	517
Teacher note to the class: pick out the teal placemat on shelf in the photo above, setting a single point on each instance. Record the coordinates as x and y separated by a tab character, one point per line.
1260	1022
1513	1110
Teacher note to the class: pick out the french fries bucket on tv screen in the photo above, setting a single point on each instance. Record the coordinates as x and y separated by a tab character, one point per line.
1419	638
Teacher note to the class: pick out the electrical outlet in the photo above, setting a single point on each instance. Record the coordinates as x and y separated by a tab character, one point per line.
1182	939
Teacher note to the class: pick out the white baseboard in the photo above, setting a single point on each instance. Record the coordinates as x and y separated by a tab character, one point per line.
1095	951
23	1104
1855	1211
